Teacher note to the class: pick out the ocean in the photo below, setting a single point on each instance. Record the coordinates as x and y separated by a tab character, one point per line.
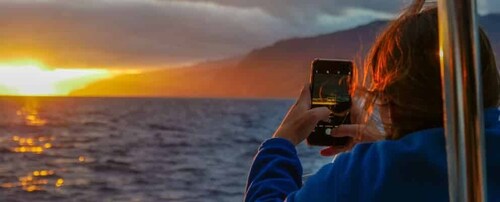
137	149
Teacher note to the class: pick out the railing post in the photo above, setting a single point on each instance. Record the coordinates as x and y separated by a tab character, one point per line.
463	103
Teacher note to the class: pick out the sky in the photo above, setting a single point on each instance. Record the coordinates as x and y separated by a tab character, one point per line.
164	33
53	47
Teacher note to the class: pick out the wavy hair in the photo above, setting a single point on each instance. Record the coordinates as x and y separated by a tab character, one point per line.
401	73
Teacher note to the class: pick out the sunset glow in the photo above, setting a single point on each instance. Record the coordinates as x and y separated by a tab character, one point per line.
34	79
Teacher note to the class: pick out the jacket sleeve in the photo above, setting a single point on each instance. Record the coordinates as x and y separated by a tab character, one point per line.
385	171
275	173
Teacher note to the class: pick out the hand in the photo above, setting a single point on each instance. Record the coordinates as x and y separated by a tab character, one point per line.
358	132
301	119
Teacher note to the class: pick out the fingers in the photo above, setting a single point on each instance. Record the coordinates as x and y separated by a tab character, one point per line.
316	114
300	119
310	119
304	100
331	151
302	104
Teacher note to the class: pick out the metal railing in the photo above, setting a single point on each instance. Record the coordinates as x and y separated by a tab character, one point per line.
463	103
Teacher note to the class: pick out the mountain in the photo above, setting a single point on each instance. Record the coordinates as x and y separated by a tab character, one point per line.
278	70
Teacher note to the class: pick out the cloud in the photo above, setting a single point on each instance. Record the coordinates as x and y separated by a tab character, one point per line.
162	33
137	33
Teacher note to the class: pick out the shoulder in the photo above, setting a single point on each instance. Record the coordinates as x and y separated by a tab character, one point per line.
396	168
418	145
382	171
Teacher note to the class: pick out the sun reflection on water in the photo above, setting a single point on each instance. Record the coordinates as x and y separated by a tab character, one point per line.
31	115
35	181
34	143
81	158
59	182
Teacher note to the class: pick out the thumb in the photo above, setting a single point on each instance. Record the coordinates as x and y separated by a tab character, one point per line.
314	115
304	100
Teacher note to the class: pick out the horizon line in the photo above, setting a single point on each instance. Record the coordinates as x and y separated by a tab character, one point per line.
144	97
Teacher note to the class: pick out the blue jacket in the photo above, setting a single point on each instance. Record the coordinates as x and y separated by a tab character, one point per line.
410	169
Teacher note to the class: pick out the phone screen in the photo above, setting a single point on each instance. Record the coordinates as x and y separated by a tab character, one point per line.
330	89
330	84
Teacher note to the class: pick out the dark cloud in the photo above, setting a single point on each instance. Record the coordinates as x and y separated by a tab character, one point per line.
309	16
156	33
291	7
118	33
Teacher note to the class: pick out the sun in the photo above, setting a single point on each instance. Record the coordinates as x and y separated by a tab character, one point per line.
29	78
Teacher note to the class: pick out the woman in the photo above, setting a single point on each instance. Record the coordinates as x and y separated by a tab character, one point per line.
401	88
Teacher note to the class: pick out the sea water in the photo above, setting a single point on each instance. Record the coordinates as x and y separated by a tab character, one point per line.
135	149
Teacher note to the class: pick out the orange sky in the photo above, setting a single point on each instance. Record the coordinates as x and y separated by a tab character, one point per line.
32	78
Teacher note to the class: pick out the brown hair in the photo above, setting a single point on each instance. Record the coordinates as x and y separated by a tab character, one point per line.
402	72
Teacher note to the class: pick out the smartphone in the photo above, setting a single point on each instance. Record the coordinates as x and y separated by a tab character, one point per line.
330	86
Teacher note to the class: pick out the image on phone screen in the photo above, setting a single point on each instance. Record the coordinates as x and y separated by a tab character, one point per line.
330	84
331	89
